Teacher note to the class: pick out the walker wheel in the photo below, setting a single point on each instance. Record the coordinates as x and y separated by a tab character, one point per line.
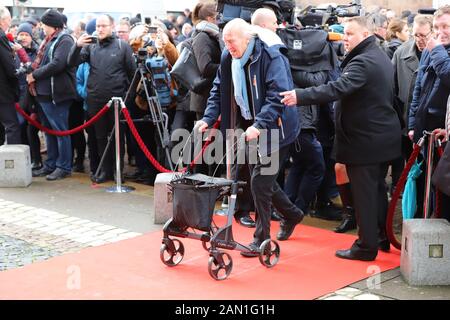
220	265
269	253
171	252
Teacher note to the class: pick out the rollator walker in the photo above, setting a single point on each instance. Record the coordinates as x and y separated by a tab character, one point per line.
194	198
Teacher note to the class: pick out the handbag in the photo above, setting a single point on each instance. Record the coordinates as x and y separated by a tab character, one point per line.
186	71
441	175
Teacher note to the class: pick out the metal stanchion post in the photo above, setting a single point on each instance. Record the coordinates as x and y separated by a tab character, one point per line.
118	188
430	158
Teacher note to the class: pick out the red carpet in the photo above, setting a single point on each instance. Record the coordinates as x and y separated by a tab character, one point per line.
131	269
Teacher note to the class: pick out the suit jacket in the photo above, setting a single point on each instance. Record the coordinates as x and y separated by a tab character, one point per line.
367	126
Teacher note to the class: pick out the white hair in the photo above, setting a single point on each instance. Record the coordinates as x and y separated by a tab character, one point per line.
239	26
4	12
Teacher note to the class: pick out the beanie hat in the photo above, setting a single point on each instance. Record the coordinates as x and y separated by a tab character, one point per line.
32	20
25	27
91	26
53	18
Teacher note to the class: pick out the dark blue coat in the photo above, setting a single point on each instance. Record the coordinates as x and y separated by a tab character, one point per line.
270	74
431	90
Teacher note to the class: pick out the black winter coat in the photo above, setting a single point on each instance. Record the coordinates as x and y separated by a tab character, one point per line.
367	126
54	78
9	83
111	68
207	53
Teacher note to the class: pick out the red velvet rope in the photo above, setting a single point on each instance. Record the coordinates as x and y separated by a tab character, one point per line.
438	193
147	152
62	133
398	190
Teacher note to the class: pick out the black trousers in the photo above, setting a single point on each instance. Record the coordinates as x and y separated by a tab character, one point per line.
370	202
9	120
266	192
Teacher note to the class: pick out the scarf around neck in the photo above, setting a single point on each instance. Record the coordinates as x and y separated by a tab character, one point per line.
238	75
43	49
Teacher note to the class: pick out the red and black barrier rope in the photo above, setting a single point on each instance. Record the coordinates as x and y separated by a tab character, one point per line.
147	152
62	133
397	191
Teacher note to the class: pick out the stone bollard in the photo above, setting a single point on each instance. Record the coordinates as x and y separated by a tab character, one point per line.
163	204
425	257
15	166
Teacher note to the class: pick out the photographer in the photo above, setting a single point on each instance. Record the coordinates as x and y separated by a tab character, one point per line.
111	70
9	85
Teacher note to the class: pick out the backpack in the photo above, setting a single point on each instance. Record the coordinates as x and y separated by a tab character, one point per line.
159	68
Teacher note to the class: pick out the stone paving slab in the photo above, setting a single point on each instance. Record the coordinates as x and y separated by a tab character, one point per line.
30	234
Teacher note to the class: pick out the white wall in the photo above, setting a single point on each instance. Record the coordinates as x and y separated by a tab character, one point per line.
179	5
440	3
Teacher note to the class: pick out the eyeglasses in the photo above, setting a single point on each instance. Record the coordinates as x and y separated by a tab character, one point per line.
422	36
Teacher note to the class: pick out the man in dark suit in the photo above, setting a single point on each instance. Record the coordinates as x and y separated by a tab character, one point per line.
9	83
367	130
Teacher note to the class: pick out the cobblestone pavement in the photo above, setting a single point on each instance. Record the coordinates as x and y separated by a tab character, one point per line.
29	234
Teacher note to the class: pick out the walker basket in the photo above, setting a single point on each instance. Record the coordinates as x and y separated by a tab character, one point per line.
194	199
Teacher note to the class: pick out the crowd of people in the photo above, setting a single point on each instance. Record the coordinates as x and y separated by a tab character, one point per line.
339	131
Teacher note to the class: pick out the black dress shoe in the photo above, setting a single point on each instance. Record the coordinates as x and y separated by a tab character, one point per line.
275	216
246	221
78	166
102	178
357	254
134	175
254	251
348	222
287	227
327	211
36	165
384	245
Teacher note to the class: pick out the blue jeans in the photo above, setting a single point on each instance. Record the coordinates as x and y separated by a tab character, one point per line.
306	172
59	149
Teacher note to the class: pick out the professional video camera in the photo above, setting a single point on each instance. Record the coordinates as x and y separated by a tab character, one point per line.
313	16
230	9
25	68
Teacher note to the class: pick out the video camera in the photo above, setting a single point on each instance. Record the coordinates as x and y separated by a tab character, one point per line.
25	68
313	16
143	53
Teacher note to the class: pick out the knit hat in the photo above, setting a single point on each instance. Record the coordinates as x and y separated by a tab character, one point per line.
25	27
33	21
53	18
91	26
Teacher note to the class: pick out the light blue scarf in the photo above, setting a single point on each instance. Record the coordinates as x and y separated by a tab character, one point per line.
240	87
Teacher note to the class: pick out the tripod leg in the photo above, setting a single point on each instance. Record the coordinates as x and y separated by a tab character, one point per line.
108	145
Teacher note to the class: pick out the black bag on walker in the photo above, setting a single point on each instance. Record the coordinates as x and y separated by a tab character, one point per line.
193	203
